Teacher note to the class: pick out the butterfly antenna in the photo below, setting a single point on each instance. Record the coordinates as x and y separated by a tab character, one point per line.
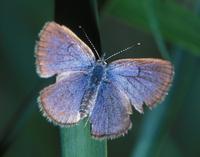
128	48
90	42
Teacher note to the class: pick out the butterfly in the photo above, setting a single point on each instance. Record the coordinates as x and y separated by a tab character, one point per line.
86	87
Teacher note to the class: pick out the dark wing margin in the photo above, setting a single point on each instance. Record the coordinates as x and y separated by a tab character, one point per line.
110	116
143	80
60	102
59	50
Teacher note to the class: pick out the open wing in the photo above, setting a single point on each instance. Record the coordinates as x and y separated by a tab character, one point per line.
60	50
110	115
143	80
61	101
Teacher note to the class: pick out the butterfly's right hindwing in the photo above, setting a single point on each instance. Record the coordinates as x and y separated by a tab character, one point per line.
110	117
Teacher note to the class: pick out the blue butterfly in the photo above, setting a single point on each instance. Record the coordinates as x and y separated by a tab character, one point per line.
86	87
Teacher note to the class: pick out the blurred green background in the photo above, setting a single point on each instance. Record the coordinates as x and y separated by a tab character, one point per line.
168	29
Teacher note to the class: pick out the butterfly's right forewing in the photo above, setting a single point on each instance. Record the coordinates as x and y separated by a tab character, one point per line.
143	80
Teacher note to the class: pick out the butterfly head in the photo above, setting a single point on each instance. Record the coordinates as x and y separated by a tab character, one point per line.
101	60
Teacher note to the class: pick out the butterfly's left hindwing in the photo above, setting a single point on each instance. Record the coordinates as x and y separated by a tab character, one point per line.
143	80
61	101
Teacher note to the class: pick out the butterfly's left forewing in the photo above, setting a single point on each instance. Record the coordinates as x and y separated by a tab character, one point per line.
142	80
60	50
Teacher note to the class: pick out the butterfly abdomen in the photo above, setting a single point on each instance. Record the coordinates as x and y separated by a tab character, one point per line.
90	95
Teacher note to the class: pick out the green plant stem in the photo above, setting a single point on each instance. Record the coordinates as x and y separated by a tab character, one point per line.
77	142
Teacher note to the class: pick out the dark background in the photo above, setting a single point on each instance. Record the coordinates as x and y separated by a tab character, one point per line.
166	29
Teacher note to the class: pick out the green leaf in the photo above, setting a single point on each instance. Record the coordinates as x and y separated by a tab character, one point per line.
177	24
155	28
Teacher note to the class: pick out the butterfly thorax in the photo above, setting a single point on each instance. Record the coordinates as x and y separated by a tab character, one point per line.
97	73
96	76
